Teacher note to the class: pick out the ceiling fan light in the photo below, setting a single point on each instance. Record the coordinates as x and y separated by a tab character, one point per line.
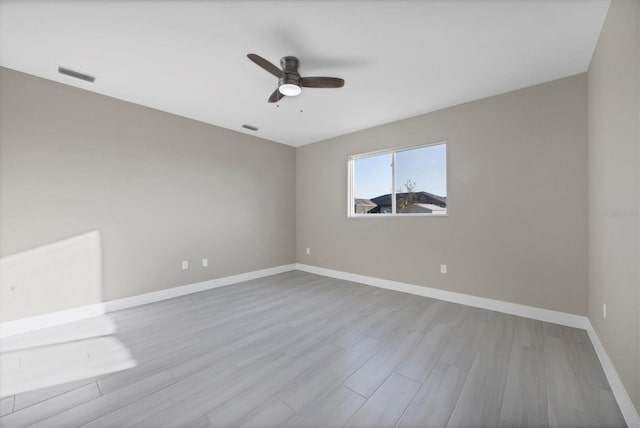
289	89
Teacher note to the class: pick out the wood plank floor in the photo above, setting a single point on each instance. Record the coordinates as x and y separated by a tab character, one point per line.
298	349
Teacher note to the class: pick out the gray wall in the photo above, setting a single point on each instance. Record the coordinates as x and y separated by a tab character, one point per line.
517	224
137	190
614	190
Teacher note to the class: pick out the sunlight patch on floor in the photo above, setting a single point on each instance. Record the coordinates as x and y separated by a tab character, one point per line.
51	361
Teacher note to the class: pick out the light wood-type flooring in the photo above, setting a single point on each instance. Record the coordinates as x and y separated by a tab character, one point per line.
298	349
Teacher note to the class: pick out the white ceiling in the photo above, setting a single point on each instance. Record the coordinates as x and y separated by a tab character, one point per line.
398	58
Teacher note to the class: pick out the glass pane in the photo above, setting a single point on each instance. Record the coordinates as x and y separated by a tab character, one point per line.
372	184
421	180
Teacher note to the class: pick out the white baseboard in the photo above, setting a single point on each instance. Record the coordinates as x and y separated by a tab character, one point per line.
547	315
622	397
25	325
571	320
156	296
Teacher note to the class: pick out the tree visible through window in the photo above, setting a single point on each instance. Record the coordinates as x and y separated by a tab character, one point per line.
405	181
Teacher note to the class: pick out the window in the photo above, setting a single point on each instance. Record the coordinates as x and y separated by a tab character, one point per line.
410	181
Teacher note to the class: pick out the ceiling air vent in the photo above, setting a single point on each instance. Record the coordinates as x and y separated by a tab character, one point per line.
76	74
249	127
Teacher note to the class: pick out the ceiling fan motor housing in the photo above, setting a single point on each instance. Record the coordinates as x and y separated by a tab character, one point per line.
290	83
290	74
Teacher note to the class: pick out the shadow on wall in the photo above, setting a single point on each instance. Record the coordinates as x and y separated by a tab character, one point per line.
54	277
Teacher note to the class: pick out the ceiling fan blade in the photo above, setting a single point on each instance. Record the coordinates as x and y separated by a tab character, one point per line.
276	96
266	65
321	82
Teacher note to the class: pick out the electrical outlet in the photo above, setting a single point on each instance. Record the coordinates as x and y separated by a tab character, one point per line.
443	268
205	262
185	264
308	250
604	311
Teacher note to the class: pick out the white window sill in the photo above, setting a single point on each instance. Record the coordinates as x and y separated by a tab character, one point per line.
395	215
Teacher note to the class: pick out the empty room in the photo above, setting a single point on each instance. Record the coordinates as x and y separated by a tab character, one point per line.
320	213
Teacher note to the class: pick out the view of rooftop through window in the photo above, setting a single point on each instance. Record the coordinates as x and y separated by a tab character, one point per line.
420	181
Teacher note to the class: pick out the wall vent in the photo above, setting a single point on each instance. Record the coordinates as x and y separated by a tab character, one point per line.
249	127
76	74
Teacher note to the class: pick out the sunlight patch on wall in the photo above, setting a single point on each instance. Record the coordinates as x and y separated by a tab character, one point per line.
52	277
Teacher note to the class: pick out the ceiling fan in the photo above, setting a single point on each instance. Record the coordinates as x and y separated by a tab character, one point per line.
290	83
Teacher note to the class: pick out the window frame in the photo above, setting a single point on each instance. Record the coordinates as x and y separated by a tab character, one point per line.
350	177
